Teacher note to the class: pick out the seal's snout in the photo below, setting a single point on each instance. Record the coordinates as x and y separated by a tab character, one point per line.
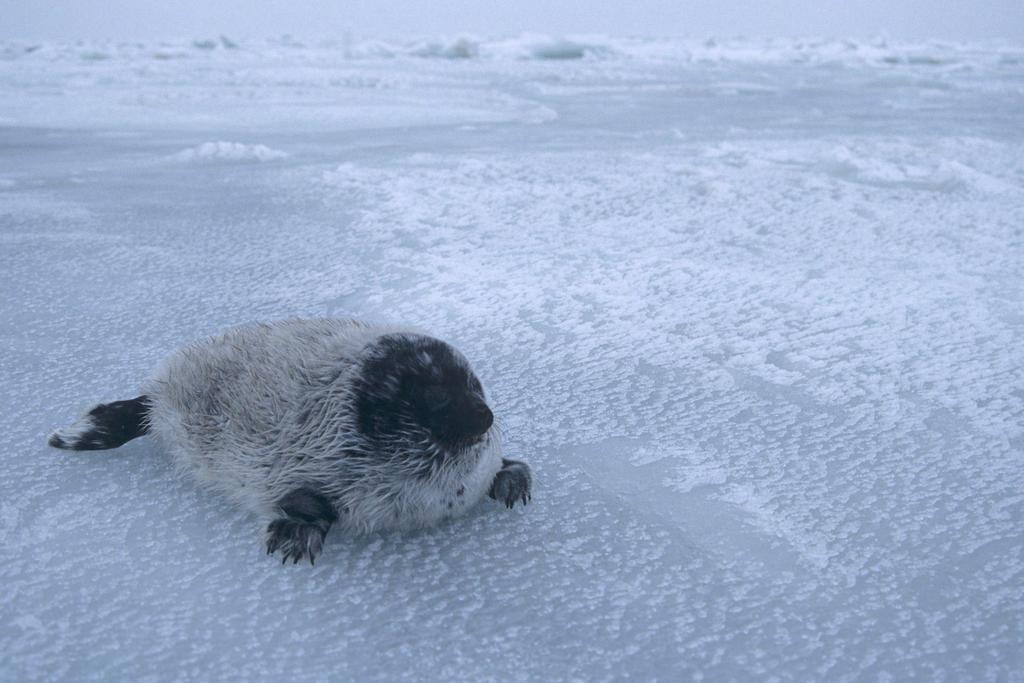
483	418
465	423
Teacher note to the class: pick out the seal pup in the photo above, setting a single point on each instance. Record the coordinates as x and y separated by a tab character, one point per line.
319	423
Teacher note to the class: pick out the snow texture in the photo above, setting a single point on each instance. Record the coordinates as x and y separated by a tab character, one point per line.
227	152
752	310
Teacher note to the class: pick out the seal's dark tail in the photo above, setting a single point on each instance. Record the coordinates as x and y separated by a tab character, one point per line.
107	425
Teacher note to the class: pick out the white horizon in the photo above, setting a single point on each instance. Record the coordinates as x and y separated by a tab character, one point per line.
990	20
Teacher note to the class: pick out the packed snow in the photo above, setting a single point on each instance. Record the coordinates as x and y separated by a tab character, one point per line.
753	310
227	152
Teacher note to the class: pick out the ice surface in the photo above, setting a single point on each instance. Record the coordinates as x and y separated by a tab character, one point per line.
751	309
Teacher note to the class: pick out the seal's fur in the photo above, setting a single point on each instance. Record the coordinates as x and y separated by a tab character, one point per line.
323	421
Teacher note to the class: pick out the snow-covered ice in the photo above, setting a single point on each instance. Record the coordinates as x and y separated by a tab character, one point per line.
227	152
753	311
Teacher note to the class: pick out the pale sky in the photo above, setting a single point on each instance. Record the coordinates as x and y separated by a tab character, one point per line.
150	19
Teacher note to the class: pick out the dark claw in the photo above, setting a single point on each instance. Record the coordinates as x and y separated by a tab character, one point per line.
295	540
511	484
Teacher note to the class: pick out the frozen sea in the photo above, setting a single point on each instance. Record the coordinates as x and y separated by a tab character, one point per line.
752	309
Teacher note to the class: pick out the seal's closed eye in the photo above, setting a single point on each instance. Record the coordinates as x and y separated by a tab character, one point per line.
436	397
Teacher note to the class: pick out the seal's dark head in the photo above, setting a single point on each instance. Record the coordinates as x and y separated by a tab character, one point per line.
418	389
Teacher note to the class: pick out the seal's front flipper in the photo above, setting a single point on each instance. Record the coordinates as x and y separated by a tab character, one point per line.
300	533
512	483
107	425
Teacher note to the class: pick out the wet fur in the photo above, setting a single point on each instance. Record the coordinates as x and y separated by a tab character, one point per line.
304	421
265	409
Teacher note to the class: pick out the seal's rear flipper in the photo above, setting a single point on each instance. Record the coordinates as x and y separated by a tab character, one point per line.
107	425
